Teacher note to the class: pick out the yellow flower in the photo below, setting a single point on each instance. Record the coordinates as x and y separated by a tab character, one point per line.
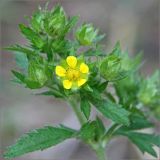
73	72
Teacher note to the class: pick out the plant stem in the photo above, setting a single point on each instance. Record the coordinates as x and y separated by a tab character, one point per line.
100	152
77	111
109	132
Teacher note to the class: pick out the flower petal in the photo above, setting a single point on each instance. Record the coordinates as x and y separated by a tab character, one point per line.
60	71
71	61
84	68
67	84
80	82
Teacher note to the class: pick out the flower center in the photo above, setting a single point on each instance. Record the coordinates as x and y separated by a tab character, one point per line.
72	74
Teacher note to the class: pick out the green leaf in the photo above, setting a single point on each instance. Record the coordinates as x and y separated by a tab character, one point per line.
100	128
21	61
99	38
54	93
32	36
94	52
137	122
117	49
101	87
156	139
32	84
85	107
110	97
127	89
71	23
21	49
39	139
19	76
92	131
68	129
144	142
87	131
112	111
131	63
150	89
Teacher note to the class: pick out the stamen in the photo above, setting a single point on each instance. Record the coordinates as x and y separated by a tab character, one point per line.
73	74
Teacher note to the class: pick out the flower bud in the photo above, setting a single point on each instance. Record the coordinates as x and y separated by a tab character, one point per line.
55	21
37	22
86	34
110	67
36	73
149	90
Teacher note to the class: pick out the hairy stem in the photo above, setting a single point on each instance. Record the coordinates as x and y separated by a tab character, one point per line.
101	154
99	150
77	111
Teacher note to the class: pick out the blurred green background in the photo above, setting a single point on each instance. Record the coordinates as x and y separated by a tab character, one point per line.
134	23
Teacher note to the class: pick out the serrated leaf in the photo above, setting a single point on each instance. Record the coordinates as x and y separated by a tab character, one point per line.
67	128
21	61
92	131
39	139
19	76
112	111
144	142
156	140
117	49
32	36
94	52
71	23
131	63
110	97
99	38
21	49
85	107
127	89
55	93
32	84
100	128
87	131
150	89
102	86
137	122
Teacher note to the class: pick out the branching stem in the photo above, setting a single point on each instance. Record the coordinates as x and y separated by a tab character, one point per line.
99	150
